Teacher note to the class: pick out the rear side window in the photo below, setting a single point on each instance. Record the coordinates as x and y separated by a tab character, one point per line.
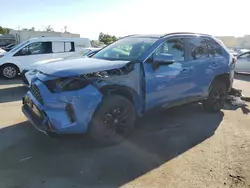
61	47
214	49
197	48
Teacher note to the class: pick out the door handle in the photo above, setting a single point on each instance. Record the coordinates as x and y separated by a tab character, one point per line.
215	64
184	71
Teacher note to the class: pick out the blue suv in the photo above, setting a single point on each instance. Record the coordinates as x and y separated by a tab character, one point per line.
103	94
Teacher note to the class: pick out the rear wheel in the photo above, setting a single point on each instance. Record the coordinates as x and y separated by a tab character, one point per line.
9	71
113	120
217	96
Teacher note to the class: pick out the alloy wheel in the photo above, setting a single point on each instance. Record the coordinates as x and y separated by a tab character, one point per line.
9	72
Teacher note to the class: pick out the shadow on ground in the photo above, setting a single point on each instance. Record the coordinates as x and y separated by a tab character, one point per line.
30	159
15	81
12	94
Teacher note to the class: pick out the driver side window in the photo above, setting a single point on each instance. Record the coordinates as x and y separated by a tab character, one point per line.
174	46
35	48
244	56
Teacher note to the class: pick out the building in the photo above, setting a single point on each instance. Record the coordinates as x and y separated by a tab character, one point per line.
7	39
229	41
23	35
236	42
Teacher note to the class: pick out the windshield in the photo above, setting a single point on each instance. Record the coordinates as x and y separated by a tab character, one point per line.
19	46
125	49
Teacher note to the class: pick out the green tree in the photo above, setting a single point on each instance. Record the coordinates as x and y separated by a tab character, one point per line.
48	28
106	38
4	31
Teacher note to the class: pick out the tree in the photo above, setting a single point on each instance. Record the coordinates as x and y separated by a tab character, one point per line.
48	28
31	29
106	38
4	31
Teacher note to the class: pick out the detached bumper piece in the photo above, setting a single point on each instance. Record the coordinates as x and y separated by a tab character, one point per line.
24	79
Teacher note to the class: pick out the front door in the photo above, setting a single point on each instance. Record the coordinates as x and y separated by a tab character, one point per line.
33	52
167	83
243	63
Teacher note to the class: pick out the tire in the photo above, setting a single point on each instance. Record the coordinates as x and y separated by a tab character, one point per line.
217	97
9	71
113	120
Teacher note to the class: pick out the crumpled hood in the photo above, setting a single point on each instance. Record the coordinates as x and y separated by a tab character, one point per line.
79	66
39	63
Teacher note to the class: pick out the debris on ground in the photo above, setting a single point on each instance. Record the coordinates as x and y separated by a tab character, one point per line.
236	98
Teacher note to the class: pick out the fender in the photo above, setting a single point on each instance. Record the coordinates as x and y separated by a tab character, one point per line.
126	92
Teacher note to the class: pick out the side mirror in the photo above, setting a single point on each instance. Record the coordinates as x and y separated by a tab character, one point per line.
163	59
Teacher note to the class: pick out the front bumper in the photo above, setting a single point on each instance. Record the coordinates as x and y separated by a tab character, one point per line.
54	117
34	119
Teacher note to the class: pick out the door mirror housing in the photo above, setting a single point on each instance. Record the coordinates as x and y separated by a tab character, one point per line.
163	59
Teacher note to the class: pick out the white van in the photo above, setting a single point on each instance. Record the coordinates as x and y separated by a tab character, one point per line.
37	49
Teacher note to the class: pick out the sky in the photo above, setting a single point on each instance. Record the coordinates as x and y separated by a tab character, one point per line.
125	17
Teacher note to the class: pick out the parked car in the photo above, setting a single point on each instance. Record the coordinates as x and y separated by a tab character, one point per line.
9	47
28	74
37	49
243	63
2	51
102	95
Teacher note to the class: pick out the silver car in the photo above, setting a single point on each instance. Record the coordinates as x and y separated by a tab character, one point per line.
243	63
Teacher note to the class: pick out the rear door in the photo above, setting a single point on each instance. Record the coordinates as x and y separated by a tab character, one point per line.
63	49
199	62
206	60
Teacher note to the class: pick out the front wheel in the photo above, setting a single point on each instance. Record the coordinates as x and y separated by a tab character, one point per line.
9	71
113	120
217	97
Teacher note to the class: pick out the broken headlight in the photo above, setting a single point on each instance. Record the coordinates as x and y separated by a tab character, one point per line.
67	84
74	84
52	84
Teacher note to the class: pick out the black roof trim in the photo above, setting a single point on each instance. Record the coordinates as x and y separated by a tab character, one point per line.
184	33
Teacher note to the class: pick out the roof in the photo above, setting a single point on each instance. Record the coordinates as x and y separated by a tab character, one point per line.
166	35
56	39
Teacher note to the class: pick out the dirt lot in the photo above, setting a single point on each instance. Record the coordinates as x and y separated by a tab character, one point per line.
180	147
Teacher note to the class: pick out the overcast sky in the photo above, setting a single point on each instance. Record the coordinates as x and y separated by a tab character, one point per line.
124	17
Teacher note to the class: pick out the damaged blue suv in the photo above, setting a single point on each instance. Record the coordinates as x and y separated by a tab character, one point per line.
102	95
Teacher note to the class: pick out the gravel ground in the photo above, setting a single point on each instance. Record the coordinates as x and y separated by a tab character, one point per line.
178	147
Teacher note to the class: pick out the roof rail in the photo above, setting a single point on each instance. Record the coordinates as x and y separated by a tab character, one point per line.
175	33
128	36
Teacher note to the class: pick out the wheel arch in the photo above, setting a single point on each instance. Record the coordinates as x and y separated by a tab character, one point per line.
13	64
126	92
221	77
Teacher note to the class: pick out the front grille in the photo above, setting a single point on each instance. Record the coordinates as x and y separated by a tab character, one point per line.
36	92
